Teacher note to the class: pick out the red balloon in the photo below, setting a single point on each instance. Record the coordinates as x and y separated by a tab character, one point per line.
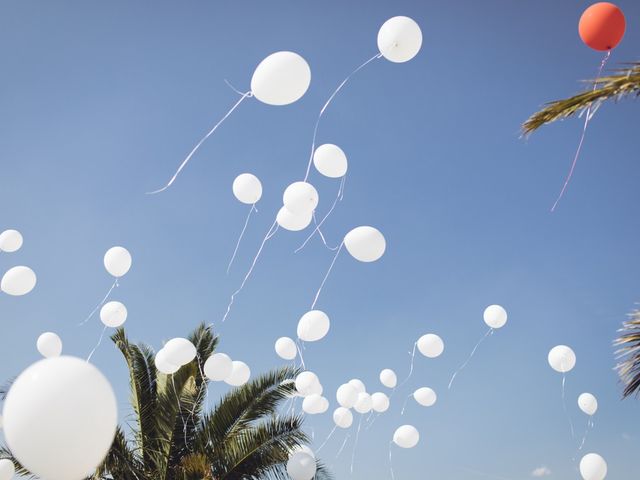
602	26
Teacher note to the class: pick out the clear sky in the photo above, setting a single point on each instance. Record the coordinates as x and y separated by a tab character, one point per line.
100	101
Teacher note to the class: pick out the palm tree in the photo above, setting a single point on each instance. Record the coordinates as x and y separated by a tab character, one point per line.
628	344
624	82
172	437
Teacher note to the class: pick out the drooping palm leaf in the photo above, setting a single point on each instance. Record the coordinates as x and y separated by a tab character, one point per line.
628	352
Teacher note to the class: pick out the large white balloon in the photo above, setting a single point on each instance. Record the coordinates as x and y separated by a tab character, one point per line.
163	364
293	222
365	244
305	449
18	281
301	466
307	383
113	314
247	188
330	160
180	351
588	403
347	395
314	404
495	316
10	241
380	402
593	467
430	345
313	326
49	345
218	367
281	78
425	396
300	198
388	378
562	359
60	418
343	417
358	385
117	261
240	374
364	403
286	348
7	469
406	436
399	39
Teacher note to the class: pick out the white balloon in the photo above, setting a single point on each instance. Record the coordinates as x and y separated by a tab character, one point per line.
18	281
7	469
218	367
117	261
281	78
562	359
358	385
588	403
347	395
313	404
425	396
406	436
330	160
247	188
430	345
60	418
293	222
380	402
343	417
495	316
163	364
286	348
364	403
388	378
113	314
313	326
49	345
180	351
10	241
365	244
240	374
593	467
301	466
307	383
304	449
399	39
300	198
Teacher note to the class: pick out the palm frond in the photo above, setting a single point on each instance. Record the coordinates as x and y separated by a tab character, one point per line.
628	352
4	389
121	462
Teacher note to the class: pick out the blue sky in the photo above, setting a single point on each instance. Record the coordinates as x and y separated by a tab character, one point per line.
102	100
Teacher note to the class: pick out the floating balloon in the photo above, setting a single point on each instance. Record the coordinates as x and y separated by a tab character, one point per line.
117	261
430	345
562	359
330	160
240	374
163	364
358	385
286	348
18	281
399	39
300	198
301	466
588	403
180	351
593	467
602	26
314	404
60	418
281	78
364	403
380	402
347	395
406	436
10	241
218	367
304	449
313	326
49	345
113	314
495	316
365	244
293	222
388	378
247	188
307	383
343	417
7	469
425	396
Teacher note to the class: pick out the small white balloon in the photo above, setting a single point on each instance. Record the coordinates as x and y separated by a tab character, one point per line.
347	395
163	364
388	378
358	385
330	160
286	348
301	466
18	281
343	417
117	261
495	316
240	374
562	359
293	222
425	396
430	345
180	351
399	39
247	188
218	367
281	78
380	402
364	403
307	383
365	244
113	314
49	345
313	326
7	469
10	241
593	467
406	436
300	198
588	403
313	404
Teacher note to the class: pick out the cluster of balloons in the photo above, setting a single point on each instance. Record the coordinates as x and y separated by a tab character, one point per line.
117	262
176	353
220	368
309	387
354	395
20	280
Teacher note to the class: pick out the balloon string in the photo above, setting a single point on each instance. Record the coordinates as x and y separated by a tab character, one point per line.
393	477
327	439
344	444
246	222
298	347
272	230
564	406
355	444
413	356
199	144
584	132
586	433
315	300
335	92
114	285
473	352
98	344
405	404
